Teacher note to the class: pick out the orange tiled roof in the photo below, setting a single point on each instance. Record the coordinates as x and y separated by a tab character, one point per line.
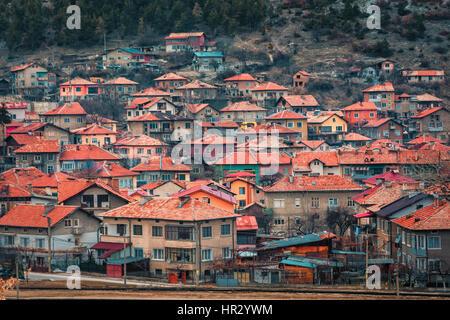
138	141
244	157
308	183
93	130
269	128
304	158
426	97
21	67
301	100
361	106
423	73
41	146
10	190
85	152
353	136
27	215
211	139
242	106
182	35
426	112
435	146
424	139
312	144
240	77
170	76
94	119
269	86
150	185
432	217
71	108
151	92
385	156
206	189
285	114
51	180
120	80
381	87
21	176
376	123
144	102
68	189
161	164
197	84
29	127
24	139
78	82
170	209
194	108
105	169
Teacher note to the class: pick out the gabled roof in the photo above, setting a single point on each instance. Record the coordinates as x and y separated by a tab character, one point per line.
194	108
85	152
426	97
173	209
23	139
40	146
51	180
14	105
161	164
378	122
68	189
426	112
29	127
242	106
423	73
246	223
70	108
170	76
308	183
144	102
269	86
296	241
432	217
138	141
251	158
9	191
353	136
381	87
392	176
324	116
240	77
424	139
151	92
302	159
361	106
211	139
120	81
21	67
285	114
78	82
93	130
240	174
206	189
33	216
94	119
21	176
105	169
158	116
301	100
197	84
183	35
312	144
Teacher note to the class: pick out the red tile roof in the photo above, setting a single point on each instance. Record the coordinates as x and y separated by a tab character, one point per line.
10	190
202	188
285	114
240	174
21	67
385	156
21	176
170	209
170	76
78	82
161	164
432	217
376	123
353	136
302	159
138	141
240	77
425	139
93	130
85	152
150	185
226	124
243	157
183	35
301	100
29	127
40	146
23	139
312	144
392	176
197	84
151	92
381	195
144	102
105	169
120	80
246	223
27	215
98	119
194	108
51	180
308	183
269	128
427	112
381	87
211	139
426	97
71	108
361	106
423	73
242	106
14	105
269	86
435	146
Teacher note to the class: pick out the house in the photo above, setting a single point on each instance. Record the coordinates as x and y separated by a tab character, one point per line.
127	58
161	168
119	89
162	126
136	148
197	91
355	140
152	93
48	183
291	120
30	79
81	156
31	117
392	176
79	89
382	94
328	125
141	106
315	163
188	41
427	100
96	135
246	191
269	129
247	227
169	82
268	93
432	122
300	79
263	165
360	113
202	112
405	106
384	128
297	200
208	195
208	61
42	154
240	85
102	121
165	230
68	116
423	76
17	110
297	103
164	188
15	141
208	149
94	196
313	145
242	112
72	230
43	130
12	195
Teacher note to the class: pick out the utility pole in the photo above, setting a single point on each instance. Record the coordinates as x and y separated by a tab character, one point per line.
124	262
49	232
17	275
367	251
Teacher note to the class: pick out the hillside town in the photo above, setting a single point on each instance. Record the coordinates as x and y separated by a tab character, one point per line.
236	182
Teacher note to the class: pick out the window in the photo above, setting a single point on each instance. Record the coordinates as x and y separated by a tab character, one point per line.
138	252
278	221
121	229
126	183
24	242
350	202
157	254
178	255
67	223
299	124
434	242
207	255
226	252
332	202
241	190
297	202
278	203
179	233
315	202
140	151
66	120
165	177
40	243
206	232
421	242
225	230
137	229
88	199
356	115
157	231
434	264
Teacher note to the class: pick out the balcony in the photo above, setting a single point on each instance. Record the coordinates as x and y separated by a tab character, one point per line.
436	128
76	230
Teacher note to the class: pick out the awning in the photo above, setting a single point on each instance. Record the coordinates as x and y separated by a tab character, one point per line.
112	247
298	263
122	260
363	215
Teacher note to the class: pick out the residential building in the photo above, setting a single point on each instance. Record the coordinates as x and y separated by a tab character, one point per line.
102	121
188	41
328	125
240	85
300	79
95	135
44	131
267	94
31	80
313	145
81	156
141	106
316	163
78	88
127	58
197	91
137	148
42	154
202	112
291	120
243	111
169	82
432	122
384	128
246	191
423	76
161	168
17	110
383	95
360	113
68	116
297	103
355	140
208	61
119	89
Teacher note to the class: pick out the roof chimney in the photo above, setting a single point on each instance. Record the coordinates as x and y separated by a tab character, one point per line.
48	208
144	199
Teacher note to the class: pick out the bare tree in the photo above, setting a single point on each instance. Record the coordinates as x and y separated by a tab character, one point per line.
339	220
